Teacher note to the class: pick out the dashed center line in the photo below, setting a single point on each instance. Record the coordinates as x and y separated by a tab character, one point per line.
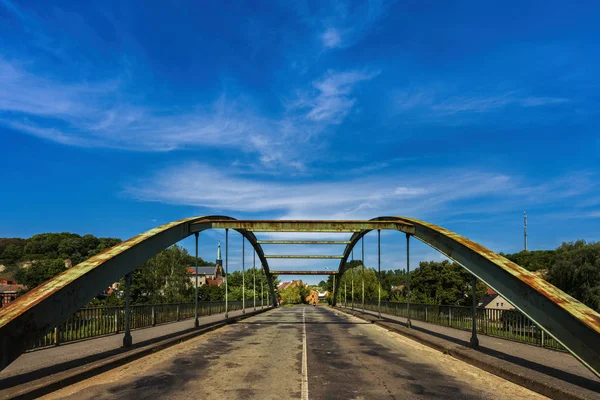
304	390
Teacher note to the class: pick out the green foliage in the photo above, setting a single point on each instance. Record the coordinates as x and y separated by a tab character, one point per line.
294	294
163	278
211	293
234	283
533	260
39	272
12	253
53	246
443	283
576	271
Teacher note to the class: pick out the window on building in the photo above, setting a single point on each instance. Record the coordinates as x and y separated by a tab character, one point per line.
497	304
501	304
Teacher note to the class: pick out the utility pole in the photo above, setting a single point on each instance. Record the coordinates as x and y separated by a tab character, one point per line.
525	228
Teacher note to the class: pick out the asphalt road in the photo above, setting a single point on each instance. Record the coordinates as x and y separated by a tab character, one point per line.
297	352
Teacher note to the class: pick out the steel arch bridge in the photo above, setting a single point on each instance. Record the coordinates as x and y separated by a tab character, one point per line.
571	323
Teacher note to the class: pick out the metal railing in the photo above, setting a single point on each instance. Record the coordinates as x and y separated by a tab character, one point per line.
506	324
99	321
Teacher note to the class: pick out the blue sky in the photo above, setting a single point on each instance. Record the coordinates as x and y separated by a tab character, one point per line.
117	117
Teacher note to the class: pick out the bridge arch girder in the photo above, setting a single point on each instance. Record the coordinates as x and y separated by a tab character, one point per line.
570	322
35	313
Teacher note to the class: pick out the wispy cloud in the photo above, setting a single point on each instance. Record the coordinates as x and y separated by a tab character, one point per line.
348	198
331	38
100	114
432	193
440	102
344	26
331	99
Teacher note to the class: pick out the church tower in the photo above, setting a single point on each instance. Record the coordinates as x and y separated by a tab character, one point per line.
219	262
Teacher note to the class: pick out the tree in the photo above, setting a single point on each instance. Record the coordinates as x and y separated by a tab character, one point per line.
295	293
443	283
533	260
211	293
163	278
577	271
39	272
12	253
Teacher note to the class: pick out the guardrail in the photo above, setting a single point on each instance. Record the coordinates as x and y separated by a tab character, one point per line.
505	324
99	321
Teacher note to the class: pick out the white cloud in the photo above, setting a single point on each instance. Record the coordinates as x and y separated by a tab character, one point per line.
435	194
216	190
98	114
331	100
331	38
345	26
445	102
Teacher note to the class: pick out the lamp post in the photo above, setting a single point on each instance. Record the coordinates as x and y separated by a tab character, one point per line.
352	277
226	271
243	275
363	273
196	322
379	272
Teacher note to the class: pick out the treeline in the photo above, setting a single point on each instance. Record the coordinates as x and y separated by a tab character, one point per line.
573	267
431	283
164	278
35	260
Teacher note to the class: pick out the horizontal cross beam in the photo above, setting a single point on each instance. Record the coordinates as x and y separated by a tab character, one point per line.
304	272
304	256
301	225
303	241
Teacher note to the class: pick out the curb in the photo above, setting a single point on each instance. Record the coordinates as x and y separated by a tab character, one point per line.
54	382
482	361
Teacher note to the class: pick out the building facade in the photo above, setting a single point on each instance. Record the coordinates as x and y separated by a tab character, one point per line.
208	275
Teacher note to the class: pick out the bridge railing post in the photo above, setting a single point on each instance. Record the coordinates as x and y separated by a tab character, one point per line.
178	313
243	275
474	339
127	340
56	336
153	315
117	310
542	343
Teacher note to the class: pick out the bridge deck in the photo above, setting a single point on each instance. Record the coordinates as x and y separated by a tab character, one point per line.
265	356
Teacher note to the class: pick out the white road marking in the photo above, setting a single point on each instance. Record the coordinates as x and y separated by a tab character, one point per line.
304	391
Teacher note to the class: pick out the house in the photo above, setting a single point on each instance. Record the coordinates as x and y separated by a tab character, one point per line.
323	295
208	275
492	300
285	285
9	289
313	297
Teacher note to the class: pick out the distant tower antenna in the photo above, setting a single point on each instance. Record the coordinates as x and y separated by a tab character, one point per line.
525	228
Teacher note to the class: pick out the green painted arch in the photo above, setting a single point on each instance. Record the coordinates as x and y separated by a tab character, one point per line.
570	322
37	312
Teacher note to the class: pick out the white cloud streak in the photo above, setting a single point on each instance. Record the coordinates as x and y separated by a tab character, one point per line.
446	103
331	38
203	186
344	27
440	194
331	100
98	114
